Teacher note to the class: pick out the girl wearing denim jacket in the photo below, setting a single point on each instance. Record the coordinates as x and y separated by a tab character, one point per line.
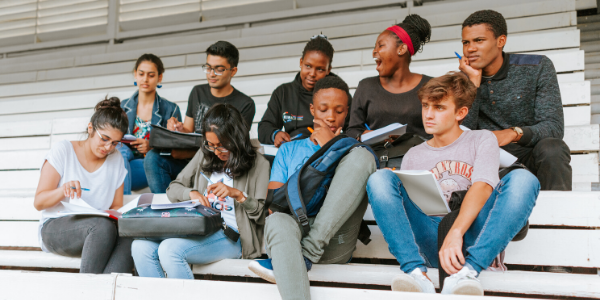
143	108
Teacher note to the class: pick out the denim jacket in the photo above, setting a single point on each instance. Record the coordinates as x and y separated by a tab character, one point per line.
162	111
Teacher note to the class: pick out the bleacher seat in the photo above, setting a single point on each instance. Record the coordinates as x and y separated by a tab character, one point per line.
48	96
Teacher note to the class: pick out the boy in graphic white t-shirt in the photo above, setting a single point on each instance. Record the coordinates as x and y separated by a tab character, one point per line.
493	210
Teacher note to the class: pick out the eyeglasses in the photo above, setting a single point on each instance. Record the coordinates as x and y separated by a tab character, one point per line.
116	144
218	70
212	149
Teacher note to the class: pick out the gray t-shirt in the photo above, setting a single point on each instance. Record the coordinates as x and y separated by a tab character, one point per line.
473	157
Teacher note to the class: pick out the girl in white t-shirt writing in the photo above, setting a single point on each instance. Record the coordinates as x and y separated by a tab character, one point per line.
94	172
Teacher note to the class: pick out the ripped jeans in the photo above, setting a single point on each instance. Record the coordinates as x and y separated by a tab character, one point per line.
334	231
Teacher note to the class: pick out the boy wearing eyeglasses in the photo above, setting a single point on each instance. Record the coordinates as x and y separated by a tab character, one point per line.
221	65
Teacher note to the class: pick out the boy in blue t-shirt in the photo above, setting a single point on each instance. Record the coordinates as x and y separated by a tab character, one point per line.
334	231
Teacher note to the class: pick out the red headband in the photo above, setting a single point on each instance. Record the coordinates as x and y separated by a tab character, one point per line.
401	33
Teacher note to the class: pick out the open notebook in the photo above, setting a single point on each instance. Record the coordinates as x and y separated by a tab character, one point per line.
78	206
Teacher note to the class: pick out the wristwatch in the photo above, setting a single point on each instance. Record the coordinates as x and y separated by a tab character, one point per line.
518	130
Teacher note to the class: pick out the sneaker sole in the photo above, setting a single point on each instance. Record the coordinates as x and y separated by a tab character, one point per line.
257	269
468	288
405	283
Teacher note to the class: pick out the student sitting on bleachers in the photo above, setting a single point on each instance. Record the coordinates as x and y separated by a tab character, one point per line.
493	210
221	65
289	106
92	171
391	97
239	176
518	99
143	108
334	231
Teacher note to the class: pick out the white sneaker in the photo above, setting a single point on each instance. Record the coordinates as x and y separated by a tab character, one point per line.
416	281
464	282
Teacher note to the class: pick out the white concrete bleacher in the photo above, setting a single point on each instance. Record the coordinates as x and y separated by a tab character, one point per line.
49	97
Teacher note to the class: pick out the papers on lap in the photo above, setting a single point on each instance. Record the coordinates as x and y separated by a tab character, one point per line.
424	191
382	134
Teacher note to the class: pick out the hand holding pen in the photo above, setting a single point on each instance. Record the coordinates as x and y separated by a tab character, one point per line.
72	189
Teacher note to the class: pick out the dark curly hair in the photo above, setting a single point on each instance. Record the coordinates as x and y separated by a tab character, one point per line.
493	19
418	30
108	112
319	44
330	82
228	124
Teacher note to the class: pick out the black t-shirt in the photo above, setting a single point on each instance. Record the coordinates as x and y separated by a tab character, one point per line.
201	100
377	107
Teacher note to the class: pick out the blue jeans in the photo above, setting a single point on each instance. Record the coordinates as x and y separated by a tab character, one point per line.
136	176
154	257
412	236
161	170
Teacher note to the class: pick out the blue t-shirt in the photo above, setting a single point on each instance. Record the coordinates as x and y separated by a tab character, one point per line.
290	157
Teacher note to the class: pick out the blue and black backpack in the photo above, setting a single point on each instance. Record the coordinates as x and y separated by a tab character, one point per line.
303	194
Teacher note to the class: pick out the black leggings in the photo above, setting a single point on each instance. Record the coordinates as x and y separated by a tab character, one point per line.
95	239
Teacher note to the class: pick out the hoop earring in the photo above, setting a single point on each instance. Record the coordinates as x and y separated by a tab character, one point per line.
135	83
159	86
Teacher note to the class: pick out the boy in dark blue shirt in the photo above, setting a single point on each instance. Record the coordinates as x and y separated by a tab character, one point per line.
334	231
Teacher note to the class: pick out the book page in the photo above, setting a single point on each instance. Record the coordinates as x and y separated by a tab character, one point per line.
424	191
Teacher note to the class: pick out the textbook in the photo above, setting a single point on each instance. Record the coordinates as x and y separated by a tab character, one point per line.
424	191
78	206
382	134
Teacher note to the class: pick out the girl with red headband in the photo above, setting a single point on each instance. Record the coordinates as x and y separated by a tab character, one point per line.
391	97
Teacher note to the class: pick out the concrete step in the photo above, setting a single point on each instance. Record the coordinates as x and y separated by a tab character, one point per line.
591	73
588	36
589	26
590	46
595	99
588	19
595	108
596	89
592	57
595	119
594	81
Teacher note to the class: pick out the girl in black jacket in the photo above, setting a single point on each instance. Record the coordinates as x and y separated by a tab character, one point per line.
289	107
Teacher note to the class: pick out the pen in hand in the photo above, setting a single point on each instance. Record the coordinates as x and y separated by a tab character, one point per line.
83	189
367	126
457	55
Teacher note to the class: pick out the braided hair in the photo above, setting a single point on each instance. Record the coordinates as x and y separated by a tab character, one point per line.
418	30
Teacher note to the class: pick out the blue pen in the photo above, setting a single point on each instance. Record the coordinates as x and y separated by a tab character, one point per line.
296	136
457	55
83	189
368	128
206	178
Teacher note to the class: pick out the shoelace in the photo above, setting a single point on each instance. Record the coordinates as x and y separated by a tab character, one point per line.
463	275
